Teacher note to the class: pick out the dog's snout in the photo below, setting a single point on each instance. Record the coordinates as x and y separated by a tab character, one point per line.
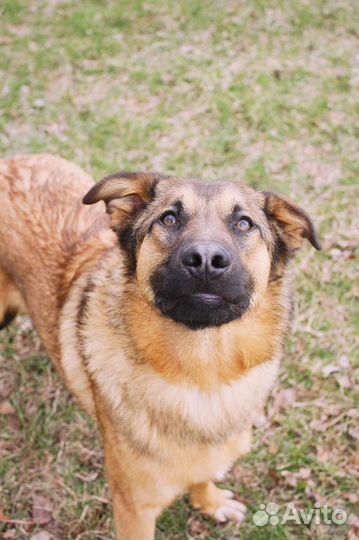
207	260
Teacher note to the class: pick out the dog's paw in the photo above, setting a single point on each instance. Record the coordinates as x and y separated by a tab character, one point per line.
218	504
230	511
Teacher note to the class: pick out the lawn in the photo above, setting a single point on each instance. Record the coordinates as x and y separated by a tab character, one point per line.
262	91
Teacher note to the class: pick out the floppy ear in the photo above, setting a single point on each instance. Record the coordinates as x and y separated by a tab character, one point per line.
124	194
292	223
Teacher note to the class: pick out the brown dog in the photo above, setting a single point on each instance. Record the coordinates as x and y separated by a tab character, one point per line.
166	317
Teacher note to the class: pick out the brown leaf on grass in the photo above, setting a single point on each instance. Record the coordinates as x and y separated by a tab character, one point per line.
323	424
351	497
7	383
273	448
323	455
6	408
237	472
343	381
304	473
290	478
284	398
344	361
274	475
90	457
354	433
330	369
3	517
41	510
353	522
87	478
197	528
355	460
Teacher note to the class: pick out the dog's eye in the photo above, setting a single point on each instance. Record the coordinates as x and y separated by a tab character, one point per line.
244	224
169	219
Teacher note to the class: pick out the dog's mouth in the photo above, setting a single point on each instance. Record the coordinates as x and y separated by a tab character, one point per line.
211	300
201	310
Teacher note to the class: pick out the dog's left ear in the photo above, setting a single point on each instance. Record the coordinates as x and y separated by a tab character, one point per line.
292	222
125	195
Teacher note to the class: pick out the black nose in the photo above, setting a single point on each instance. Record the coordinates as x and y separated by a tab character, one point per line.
206	260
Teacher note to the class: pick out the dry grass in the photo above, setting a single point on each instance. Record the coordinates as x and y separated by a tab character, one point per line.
262	91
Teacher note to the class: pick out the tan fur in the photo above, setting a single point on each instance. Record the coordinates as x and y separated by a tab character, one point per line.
175	407
209	358
38	239
11	301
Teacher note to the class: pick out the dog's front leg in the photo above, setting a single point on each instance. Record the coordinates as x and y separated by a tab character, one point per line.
131	522
136	504
220	503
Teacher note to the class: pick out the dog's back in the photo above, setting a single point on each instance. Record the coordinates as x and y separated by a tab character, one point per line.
42	224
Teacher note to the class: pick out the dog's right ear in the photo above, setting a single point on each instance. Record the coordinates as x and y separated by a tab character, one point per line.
125	195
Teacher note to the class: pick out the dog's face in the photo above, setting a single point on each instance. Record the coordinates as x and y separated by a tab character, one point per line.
203	254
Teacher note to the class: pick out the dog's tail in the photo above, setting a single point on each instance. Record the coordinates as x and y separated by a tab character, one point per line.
11	301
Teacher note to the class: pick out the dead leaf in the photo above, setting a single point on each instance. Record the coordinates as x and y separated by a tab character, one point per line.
344	362
197	528
304	473
343	381
237	473
7	384
323	455
273	448
290	478
330	369
3	517
41	510
6	408
89	457
354	433
87	478
351	497
353	522
283	399
274	475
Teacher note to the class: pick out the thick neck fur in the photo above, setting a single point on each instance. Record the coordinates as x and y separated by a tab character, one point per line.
204	358
116	343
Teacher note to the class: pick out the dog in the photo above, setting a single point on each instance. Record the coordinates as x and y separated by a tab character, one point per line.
164	304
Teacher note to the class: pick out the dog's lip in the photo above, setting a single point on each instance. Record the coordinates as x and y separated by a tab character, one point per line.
207	298
204	299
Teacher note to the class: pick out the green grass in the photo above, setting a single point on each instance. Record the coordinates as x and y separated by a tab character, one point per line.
261	91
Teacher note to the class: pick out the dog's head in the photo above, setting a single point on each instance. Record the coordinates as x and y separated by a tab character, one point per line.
202	253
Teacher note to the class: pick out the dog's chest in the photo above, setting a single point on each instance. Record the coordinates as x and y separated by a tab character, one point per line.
149	412
152	413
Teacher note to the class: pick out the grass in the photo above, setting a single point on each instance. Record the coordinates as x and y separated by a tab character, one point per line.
262	91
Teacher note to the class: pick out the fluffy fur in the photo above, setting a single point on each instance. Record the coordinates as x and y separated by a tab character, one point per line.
174	403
